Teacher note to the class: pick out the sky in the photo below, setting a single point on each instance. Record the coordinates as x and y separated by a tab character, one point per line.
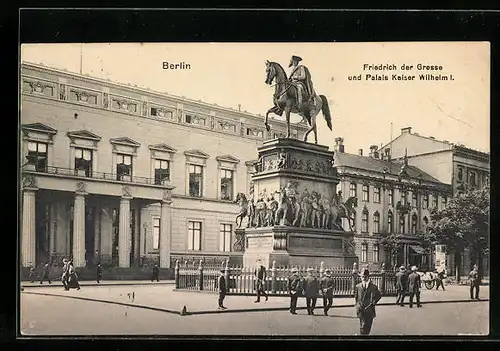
364	112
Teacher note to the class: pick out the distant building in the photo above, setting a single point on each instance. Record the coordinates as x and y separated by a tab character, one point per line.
393	198
133	176
459	166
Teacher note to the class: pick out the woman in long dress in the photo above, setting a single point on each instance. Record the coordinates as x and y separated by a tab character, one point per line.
72	277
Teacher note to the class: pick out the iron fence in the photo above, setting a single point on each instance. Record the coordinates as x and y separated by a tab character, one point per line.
242	280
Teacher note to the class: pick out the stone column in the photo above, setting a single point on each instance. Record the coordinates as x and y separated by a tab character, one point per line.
79	230
97	229
124	233
28	243
165	230
52	229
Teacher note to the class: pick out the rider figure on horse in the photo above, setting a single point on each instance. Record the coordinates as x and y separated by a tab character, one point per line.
302	78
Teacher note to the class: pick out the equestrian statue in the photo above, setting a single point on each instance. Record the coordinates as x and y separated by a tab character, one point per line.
242	201
341	209
296	95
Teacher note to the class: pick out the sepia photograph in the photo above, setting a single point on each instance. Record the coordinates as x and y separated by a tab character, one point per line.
254	189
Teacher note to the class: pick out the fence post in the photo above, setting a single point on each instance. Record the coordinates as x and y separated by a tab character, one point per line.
226	274
200	275
382	283
273	278
176	274
321	269
354	275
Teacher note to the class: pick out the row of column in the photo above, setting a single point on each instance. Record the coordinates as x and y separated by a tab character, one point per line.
28	231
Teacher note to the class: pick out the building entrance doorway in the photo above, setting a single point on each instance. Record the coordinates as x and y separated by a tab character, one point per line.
89	234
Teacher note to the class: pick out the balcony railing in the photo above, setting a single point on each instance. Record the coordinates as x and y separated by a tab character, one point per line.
94	175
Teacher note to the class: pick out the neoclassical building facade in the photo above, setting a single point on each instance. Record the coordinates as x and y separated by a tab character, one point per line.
393	197
128	176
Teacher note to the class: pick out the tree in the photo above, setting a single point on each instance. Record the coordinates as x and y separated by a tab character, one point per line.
462	224
392	246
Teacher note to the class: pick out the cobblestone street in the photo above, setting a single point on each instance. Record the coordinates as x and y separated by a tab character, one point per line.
115	310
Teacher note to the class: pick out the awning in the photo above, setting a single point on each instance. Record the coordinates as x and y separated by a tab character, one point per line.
417	249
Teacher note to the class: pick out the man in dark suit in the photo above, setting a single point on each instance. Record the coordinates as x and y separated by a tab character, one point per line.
99	270
366	296
45	274
260	275
401	285
439	279
474	282
222	289
414	285
156	273
294	289
326	285
311	289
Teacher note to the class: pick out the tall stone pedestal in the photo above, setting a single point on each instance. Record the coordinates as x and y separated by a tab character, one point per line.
301	178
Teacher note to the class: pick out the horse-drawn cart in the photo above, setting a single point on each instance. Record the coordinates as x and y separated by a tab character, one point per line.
428	280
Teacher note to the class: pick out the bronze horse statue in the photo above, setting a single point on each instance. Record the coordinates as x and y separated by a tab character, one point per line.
242	201
286	100
347	211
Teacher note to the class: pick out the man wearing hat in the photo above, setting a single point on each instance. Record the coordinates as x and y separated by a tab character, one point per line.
401	285
293	289
474	282
222	289
64	276
366	296
302	78
326	285
260	275
414	285
311	291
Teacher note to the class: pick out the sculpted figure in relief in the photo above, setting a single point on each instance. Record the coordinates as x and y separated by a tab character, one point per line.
260	212
306	207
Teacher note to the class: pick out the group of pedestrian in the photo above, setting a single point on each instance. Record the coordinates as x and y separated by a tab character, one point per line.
408	282
45	276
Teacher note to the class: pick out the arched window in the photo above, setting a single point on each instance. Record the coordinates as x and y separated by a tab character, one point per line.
390	222
426	223
460	174
414	220
364	221
376	222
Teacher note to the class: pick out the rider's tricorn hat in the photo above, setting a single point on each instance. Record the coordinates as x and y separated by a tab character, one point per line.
294	59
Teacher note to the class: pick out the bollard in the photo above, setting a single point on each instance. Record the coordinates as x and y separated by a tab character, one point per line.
382	283
176	274
273	278
200	275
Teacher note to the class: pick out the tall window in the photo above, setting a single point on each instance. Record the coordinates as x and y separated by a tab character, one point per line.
376	194
404	197
472	178
194	236
83	161
364	252
414	220
460	174
414	199
426	223
434	201
225	237
390	223
37	155
444	201
390	193
401	224
376	222
156	233
226	184
376	253
123	166
352	189
366	192
425	202
162	171
364	222
195	180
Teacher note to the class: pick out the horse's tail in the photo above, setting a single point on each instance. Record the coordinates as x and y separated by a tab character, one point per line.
326	111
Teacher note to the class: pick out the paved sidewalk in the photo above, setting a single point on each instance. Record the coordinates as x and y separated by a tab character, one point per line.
157	297
57	283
